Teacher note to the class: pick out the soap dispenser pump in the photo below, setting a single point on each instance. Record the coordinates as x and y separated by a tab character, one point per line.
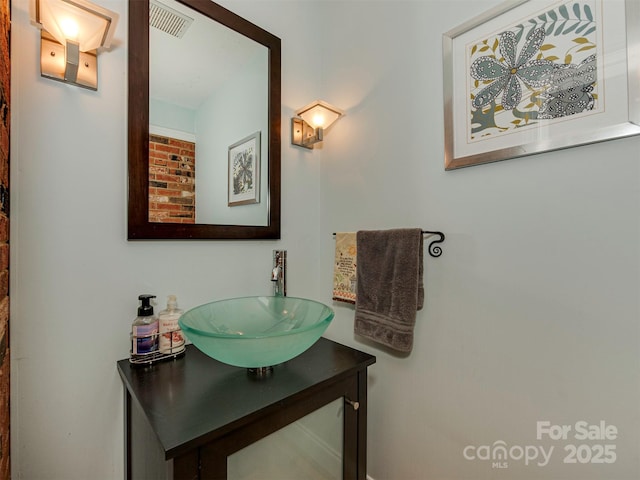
171	339
144	330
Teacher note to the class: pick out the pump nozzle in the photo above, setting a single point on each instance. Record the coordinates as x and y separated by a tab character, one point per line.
172	303
145	310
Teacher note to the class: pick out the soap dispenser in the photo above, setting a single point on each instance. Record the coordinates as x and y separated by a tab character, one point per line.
171	338
144	330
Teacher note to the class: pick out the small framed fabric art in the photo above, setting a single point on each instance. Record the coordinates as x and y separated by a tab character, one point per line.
532	76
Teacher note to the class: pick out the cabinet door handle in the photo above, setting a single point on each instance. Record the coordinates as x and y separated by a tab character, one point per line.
355	405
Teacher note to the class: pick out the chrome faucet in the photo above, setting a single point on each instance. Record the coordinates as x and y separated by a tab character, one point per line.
278	274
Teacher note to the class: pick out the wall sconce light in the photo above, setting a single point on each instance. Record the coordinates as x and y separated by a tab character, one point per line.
72	33
307	128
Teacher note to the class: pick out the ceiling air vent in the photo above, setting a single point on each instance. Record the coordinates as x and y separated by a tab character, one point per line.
168	20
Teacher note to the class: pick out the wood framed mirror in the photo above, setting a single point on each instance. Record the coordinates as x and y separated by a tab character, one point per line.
169	194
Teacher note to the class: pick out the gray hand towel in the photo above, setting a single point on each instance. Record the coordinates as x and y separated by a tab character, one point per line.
390	286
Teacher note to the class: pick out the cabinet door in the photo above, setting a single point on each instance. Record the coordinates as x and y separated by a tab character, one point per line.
310	448
342	438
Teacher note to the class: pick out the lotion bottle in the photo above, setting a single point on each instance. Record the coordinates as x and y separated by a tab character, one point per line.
171	337
144	330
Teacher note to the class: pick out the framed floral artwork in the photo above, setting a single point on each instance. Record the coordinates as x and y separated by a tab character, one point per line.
244	171
530	76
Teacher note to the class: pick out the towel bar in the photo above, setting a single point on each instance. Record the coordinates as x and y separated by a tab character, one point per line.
433	249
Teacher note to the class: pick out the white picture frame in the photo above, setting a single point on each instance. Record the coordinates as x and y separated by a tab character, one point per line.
604	109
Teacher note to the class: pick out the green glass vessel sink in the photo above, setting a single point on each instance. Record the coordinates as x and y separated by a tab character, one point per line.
256	332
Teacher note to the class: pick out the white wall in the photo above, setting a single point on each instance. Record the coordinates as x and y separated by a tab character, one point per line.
221	121
75	278
531	313
174	117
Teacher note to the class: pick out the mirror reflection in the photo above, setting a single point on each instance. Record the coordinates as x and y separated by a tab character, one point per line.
224	162
208	121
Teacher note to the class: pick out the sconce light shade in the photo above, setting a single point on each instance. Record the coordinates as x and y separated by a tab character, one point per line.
311	121
73	31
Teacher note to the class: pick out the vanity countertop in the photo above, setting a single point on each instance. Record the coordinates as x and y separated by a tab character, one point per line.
195	399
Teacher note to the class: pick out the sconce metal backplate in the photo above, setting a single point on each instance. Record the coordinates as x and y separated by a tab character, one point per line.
303	134
53	64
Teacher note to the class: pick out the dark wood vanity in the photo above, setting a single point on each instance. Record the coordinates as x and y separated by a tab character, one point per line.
184	417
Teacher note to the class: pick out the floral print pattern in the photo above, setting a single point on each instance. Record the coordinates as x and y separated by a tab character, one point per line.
243	172
505	75
570	90
541	69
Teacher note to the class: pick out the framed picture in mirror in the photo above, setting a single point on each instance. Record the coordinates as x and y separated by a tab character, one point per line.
244	171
